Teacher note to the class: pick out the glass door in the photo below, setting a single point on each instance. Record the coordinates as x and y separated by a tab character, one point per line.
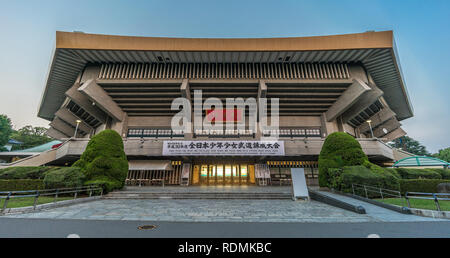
228	175
235	174
204	174
212	175
244	174
219	172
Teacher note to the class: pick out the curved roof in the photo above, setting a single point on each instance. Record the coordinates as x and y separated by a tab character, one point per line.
41	148
418	161
375	50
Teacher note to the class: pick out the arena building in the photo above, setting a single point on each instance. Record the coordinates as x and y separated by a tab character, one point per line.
350	83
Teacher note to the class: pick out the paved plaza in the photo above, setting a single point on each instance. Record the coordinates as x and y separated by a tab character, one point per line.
220	210
203	211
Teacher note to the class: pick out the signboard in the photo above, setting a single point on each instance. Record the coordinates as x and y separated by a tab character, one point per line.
186	170
262	171
299	188
223	148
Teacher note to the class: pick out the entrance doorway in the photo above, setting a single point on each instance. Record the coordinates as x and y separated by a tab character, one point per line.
224	174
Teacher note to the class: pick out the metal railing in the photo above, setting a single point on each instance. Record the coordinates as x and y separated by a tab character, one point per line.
376	190
427	196
91	189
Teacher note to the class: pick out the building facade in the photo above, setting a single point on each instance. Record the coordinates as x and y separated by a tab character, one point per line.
323	85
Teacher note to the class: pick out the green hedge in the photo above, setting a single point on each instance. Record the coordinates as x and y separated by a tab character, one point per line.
21	184
372	175
339	150
24	172
414	173
64	177
104	160
421	185
445	173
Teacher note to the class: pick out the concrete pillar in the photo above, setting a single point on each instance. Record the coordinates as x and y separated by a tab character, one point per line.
53	133
377	119
367	99
186	93
81	100
347	99
64	128
71	119
101	99
390	125
397	133
121	127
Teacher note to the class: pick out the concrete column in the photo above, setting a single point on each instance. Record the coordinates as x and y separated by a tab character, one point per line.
64	128
81	100
186	93
367	99
101	99
90	72
347	99
71	119
390	125
397	133
262	93
377	119
121	127
53	133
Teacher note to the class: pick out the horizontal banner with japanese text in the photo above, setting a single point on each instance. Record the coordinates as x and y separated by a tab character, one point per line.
223	148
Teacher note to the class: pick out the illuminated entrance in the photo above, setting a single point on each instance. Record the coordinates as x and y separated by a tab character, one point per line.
224	174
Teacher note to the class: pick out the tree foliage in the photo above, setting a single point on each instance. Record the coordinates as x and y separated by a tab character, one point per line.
104	161
339	150
443	154
5	131
410	145
30	136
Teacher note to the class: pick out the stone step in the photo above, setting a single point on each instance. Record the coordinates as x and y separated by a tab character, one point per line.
194	195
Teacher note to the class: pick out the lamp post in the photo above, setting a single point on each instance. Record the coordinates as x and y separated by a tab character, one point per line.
370	126
76	128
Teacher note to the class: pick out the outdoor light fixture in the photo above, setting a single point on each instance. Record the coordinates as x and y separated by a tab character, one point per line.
370	126
76	128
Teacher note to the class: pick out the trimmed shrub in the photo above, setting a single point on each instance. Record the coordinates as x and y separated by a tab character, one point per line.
24	172
445	173
421	185
343	178
339	150
21	184
64	177
104	161
394	172
414	173
389	180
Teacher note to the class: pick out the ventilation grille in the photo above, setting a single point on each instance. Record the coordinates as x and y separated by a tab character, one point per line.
224	71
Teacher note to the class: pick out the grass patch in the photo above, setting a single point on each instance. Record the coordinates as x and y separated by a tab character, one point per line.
417	203
29	201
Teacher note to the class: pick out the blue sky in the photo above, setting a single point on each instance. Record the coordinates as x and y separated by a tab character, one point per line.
421	28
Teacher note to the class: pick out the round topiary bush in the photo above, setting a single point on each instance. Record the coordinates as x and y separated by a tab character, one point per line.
339	150
104	161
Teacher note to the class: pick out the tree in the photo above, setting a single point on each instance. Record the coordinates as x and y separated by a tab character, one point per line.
339	150
5	131
104	161
30	136
410	145
443	154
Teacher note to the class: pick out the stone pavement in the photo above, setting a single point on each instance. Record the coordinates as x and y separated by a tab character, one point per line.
222	210
204	188
203	211
379	213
